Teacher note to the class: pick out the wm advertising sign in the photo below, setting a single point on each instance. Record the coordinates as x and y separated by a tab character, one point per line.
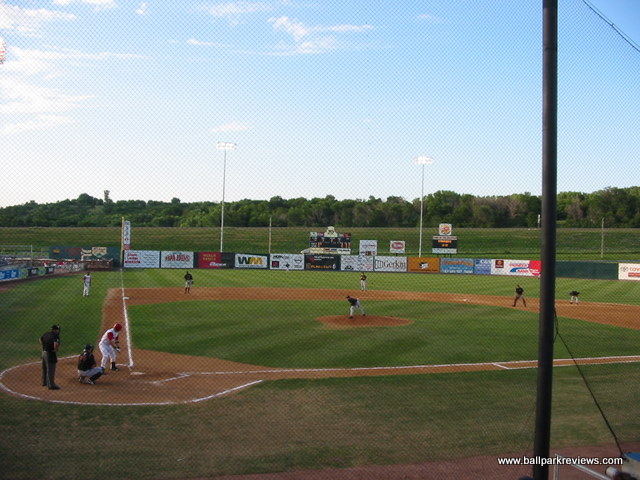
244	260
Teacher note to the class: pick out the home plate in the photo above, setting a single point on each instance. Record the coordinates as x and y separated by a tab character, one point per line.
137	373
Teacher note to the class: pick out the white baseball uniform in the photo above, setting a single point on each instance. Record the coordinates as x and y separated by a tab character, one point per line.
107	347
87	285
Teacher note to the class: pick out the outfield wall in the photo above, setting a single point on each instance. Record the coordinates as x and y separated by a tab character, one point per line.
319	262
326	262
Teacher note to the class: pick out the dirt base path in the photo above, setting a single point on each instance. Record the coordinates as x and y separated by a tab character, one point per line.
157	378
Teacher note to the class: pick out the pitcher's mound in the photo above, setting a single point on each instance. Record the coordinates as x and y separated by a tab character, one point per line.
363	321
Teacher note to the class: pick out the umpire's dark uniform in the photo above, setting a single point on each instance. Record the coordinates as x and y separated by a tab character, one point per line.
50	342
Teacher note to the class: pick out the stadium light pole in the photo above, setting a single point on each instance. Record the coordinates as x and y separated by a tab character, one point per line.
224	146
422	161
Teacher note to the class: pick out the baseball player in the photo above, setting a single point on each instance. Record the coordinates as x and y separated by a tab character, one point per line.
110	346
86	280
88	371
363	282
188	281
354	304
519	296
573	296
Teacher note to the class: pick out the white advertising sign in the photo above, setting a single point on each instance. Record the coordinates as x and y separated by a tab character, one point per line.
397	246
141	259
170	259
629	271
521	268
126	235
286	261
368	247
246	260
390	264
356	263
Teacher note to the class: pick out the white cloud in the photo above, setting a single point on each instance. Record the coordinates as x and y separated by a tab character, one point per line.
430	18
28	21
299	29
319	42
230	127
26	89
193	41
98	4
234	9
295	29
20	96
39	122
48	62
142	9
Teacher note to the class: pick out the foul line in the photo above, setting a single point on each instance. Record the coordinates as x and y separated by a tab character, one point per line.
500	365
225	392
513	365
125	314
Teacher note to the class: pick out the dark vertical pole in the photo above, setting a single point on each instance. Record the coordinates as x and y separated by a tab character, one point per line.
549	210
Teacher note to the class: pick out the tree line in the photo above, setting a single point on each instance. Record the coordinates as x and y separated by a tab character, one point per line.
616	207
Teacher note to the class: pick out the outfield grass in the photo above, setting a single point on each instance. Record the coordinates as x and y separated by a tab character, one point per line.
305	424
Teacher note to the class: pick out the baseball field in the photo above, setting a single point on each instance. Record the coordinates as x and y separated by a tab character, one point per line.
261	375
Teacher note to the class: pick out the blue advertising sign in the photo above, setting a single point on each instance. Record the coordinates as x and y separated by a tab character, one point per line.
482	266
10	274
456	265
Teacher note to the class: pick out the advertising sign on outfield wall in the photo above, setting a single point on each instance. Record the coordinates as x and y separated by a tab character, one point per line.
522	268
10	274
368	247
126	235
85	253
390	264
249	260
397	246
629	271
456	265
322	262
482	266
286	261
169	259
424	265
141	259
215	260
356	263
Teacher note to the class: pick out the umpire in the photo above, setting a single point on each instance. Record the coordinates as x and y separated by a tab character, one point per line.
50	342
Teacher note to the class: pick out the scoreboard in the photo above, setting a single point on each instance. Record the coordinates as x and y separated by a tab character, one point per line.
320	240
444	244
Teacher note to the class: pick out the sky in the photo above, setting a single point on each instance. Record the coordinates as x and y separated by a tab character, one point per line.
320	97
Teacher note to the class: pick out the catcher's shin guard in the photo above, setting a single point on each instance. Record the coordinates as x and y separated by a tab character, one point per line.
93	378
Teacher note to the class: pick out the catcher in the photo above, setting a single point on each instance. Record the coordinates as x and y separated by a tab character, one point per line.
88	371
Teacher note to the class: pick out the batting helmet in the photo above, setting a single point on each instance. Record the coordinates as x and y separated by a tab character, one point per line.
117	327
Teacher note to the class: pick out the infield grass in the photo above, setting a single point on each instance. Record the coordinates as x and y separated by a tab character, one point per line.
293	425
